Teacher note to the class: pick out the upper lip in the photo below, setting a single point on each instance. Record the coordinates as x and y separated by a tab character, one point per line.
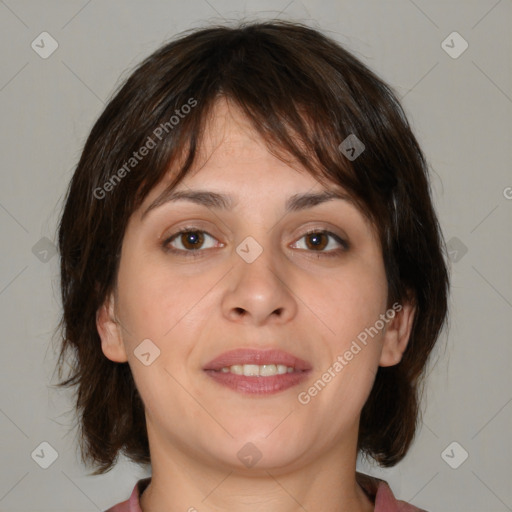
259	357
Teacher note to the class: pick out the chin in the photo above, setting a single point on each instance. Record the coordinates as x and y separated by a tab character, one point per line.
254	450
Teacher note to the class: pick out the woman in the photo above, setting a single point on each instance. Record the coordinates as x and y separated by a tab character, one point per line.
253	276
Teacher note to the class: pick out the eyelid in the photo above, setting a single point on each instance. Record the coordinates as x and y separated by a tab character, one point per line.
341	239
191	225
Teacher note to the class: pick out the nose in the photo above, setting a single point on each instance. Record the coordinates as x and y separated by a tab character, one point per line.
260	292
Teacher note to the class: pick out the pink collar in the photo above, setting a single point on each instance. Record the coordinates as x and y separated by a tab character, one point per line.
377	490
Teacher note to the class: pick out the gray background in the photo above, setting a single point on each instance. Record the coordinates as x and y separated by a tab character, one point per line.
460	109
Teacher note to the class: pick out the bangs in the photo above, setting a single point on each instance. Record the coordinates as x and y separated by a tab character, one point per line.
303	108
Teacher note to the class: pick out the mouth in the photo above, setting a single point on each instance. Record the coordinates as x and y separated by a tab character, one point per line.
258	371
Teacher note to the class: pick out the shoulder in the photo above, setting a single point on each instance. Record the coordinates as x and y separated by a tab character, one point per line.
380	493
132	504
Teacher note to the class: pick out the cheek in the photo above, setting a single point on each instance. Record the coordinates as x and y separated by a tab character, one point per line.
349	305
153	297
160	303
350	301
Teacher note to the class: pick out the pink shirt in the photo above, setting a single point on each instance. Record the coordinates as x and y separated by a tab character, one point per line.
377	490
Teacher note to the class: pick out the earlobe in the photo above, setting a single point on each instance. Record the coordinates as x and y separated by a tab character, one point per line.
397	334
110	333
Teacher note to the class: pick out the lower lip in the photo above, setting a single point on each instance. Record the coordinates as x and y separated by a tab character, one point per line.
258	385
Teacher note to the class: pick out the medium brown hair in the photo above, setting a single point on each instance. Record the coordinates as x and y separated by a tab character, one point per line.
304	94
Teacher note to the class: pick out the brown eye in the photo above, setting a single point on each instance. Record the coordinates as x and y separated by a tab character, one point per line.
191	239
317	240
187	242
320	240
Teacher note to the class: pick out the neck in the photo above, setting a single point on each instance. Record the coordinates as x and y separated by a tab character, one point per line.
182	483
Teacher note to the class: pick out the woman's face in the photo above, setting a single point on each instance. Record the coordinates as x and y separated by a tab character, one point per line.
249	277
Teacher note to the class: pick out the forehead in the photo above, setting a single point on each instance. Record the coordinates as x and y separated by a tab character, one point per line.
228	132
231	152
233	159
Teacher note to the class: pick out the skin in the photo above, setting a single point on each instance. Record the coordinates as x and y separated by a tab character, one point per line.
291	297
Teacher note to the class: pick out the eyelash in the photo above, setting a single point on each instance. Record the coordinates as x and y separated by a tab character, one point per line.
197	252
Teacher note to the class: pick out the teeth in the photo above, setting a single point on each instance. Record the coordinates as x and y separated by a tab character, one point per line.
255	370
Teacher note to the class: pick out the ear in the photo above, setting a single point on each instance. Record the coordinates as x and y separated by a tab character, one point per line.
397	333
109	330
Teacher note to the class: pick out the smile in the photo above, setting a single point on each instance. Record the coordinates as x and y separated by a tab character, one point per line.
255	370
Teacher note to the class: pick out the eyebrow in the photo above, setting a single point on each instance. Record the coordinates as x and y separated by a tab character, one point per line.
218	201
